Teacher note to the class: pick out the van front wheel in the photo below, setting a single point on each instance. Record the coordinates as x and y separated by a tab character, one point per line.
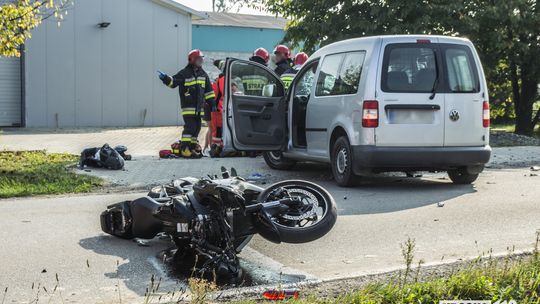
275	160
462	177
342	158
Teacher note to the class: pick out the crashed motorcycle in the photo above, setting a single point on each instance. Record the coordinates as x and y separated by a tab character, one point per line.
215	218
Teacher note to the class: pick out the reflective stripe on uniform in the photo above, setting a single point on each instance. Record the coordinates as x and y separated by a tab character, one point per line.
209	95
188	111
287	79
194	81
171	82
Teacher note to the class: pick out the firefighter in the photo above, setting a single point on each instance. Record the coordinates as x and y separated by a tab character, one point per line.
254	83
195	91
288	76
216	139
282	58
261	56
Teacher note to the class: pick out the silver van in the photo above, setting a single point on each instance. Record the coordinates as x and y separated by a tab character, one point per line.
367	105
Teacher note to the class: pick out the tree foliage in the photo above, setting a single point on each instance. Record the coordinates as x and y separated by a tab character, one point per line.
19	17
506	33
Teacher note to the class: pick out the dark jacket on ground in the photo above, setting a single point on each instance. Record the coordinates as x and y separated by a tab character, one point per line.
194	87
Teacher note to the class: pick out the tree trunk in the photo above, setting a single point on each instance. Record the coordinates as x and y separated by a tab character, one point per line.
524	108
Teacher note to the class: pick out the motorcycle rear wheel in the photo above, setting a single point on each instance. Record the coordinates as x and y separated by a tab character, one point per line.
292	231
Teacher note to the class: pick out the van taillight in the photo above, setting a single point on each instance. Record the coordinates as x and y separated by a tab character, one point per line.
485	115
370	114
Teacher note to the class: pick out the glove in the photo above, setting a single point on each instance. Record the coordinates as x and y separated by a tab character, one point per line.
164	78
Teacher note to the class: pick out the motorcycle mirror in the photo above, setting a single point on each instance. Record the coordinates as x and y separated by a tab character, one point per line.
233	172
224	172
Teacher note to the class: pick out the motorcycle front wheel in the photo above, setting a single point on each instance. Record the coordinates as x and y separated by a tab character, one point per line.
314	218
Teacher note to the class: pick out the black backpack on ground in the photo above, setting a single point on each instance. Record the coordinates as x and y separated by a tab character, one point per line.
104	157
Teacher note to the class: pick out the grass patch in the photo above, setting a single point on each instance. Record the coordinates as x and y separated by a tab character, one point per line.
26	173
491	279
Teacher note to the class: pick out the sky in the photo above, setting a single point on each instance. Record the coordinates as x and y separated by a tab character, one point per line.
206	5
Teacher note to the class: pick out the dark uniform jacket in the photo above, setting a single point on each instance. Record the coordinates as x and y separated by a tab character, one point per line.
194	87
283	66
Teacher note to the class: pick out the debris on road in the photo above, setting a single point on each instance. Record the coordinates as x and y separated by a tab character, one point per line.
141	243
440	204
280	295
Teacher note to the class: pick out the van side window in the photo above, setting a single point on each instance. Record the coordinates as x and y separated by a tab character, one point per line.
349	75
461	78
328	75
409	68
340	74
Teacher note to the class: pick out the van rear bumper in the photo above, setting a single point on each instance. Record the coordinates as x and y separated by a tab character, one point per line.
417	158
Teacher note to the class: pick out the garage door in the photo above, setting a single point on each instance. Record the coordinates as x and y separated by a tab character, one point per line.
10	92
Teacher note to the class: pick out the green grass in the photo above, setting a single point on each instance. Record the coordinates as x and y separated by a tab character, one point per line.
27	173
492	279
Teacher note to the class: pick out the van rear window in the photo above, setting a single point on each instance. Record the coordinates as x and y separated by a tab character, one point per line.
413	68
460	71
409	69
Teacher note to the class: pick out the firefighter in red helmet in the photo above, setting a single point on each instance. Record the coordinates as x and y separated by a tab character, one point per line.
282	58
289	75
196	94
261	56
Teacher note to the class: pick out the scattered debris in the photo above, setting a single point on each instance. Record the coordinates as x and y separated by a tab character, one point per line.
141	243
440	204
535	168
44	270
345	197
280	295
491	183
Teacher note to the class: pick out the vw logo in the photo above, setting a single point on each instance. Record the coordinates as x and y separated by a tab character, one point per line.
454	115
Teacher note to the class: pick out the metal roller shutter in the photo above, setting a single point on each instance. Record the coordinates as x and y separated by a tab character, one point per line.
10	92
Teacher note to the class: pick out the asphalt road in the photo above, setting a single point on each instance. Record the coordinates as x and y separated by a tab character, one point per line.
59	235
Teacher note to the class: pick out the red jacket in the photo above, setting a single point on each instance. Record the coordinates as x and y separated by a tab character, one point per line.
219	91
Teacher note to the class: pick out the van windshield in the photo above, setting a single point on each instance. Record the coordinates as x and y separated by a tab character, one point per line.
412	68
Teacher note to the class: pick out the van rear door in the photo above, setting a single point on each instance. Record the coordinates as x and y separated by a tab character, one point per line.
411	108
465	95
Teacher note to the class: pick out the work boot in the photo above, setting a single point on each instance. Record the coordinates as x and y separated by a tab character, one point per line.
215	150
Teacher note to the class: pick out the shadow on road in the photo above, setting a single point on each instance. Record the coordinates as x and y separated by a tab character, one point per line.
136	265
382	193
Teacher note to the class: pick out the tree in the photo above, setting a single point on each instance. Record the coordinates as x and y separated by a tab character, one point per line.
19	17
229	5
506	33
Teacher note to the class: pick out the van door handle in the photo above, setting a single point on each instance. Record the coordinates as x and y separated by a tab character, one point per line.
256	113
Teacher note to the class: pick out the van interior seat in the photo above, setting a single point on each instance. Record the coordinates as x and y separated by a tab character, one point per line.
398	81
424	80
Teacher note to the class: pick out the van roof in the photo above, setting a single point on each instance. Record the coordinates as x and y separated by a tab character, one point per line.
368	43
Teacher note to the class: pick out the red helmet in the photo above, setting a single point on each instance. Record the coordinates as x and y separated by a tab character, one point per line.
300	58
283	50
193	55
262	53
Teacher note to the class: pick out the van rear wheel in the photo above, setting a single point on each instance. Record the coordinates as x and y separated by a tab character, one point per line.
342	159
275	160
462	177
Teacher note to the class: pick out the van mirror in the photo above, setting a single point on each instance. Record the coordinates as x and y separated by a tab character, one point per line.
268	90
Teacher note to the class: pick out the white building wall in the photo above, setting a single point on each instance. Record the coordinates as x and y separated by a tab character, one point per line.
80	75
